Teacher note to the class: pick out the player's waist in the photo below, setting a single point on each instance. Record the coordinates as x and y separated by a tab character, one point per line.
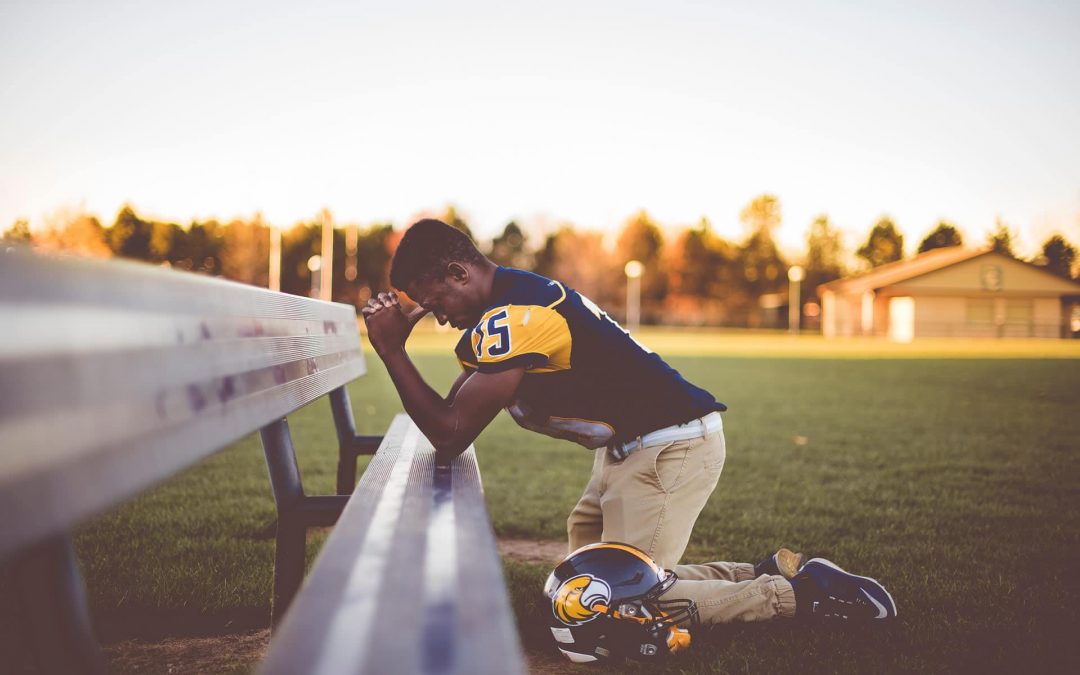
696	428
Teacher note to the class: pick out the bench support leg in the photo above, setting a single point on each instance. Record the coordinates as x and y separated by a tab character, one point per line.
291	532
57	614
288	564
350	445
296	511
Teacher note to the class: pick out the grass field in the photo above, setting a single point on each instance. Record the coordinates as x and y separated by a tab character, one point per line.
948	470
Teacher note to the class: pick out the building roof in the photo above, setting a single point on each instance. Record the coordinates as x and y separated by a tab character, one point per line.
902	270
923	263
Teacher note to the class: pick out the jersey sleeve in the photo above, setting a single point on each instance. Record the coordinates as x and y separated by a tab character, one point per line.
464	352
515	336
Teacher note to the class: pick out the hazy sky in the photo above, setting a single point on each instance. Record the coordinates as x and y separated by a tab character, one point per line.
547	111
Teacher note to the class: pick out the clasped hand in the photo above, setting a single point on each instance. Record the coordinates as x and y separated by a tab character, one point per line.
388	326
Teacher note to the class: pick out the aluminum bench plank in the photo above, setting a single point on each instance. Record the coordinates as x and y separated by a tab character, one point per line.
410	579
116	375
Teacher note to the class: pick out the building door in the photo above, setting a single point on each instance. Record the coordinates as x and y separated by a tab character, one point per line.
902	319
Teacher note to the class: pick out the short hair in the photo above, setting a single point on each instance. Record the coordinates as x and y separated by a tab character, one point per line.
427	247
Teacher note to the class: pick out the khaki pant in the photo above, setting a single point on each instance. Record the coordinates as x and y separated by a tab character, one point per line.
651	500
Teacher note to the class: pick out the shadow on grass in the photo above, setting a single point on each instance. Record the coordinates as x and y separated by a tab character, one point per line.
149	623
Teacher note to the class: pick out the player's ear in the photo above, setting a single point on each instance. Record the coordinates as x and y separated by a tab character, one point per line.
457	272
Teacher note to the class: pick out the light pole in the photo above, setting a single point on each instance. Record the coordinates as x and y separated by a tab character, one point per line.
275	259
327	280
351	236
314	264
795	274
633	271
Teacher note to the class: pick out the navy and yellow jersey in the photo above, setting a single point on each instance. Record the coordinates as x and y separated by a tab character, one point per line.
586	379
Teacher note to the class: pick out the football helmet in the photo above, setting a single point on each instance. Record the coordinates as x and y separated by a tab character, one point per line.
605	604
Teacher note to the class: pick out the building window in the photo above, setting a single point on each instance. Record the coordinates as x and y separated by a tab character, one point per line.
980	310
1018	311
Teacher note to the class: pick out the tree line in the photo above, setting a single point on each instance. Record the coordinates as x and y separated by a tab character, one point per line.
693	277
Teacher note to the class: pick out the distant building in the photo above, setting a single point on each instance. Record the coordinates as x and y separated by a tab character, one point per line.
950	292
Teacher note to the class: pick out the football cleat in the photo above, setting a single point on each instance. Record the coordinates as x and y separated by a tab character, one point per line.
783	562
824	590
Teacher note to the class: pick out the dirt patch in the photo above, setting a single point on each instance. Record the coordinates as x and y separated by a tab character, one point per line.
542	552
189	656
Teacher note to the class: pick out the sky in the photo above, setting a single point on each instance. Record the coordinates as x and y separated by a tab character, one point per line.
551	112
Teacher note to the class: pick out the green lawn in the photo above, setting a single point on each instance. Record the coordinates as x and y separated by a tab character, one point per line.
948	470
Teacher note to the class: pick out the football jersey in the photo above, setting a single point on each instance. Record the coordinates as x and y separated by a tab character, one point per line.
586	379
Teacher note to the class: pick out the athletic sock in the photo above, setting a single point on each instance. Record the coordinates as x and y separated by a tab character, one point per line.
766	566
804	603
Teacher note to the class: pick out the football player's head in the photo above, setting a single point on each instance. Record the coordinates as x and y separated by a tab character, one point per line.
605	604
440	268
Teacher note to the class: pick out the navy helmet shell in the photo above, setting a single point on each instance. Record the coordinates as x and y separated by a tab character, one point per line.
605	604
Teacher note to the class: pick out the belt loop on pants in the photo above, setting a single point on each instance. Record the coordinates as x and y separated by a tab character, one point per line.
696	428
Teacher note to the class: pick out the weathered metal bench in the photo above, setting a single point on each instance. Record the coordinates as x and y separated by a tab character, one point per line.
411	572
114	376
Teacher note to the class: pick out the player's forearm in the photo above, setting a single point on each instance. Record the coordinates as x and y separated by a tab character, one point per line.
431	412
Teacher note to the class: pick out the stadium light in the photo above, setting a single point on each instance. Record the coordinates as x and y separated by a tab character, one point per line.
326	279
275	259
314	264
795	274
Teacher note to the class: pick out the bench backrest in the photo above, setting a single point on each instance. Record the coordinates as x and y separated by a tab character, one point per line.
116	375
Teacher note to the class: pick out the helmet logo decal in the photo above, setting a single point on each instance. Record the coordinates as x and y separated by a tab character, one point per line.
580	599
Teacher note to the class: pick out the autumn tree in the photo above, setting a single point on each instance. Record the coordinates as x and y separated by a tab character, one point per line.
165	239
201	247
824	255
18	233
884	245
762	264
579	259
1057	256
1001	239
74	233
762	213
942	236
129	236
454	219
245	252
373	255
509	248
692	264
701	262
298	244
702	276
641	240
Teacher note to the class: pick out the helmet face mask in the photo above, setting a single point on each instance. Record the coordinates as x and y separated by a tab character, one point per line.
605	603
